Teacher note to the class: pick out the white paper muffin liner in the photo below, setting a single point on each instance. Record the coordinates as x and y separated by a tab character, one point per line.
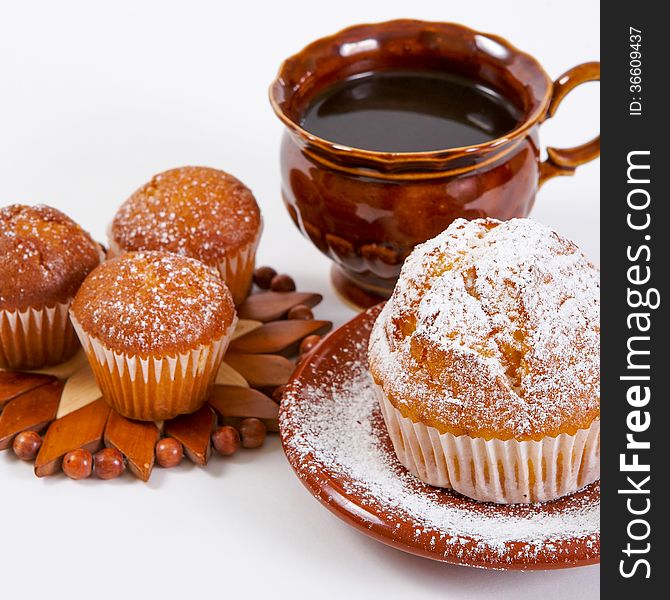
503	471
236	269
154	388
36	337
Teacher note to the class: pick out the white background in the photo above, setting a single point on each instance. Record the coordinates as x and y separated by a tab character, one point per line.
95	97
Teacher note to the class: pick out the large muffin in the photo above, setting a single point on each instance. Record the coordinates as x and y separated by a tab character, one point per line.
198	212
44	257
487	362
154	326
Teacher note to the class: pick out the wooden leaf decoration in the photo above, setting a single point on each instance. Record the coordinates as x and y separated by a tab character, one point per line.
66	369
65	403
227	375
81	429
278	337
233	404
33	410
80	389
13	384
243	327
136	440
261	370
270	306
194	432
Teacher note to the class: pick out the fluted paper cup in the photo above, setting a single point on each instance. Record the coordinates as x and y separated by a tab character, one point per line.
503	471
237	270
36	337
154	388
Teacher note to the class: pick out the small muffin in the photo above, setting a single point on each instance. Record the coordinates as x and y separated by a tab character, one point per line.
44	257
486	360
155	327
197	212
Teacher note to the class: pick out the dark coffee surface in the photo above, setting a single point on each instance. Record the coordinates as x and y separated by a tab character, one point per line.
409	111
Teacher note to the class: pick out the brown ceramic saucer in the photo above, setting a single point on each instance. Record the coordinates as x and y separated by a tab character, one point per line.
335	440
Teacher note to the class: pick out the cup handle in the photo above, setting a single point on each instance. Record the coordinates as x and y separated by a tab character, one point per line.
564	161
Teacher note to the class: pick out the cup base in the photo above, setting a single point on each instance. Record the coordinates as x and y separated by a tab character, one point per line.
353	294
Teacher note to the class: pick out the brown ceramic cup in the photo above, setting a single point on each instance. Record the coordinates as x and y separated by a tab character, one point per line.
366	210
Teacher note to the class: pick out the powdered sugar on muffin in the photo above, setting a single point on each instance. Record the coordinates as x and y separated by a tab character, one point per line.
44	256
493	330
199	212
153	302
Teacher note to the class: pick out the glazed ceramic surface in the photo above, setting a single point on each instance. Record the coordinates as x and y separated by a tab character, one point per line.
337	452
367	210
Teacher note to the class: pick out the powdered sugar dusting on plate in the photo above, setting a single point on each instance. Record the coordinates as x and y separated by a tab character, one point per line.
333	432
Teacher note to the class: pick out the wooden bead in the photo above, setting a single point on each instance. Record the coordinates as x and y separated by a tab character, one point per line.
253	432
301	311
263	277
226	440
282	283
108	464
308	344
78	464
169	452
27	444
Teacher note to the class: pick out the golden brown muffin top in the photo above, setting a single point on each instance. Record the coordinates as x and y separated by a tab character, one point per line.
153	303
493	331
44	256
193	211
